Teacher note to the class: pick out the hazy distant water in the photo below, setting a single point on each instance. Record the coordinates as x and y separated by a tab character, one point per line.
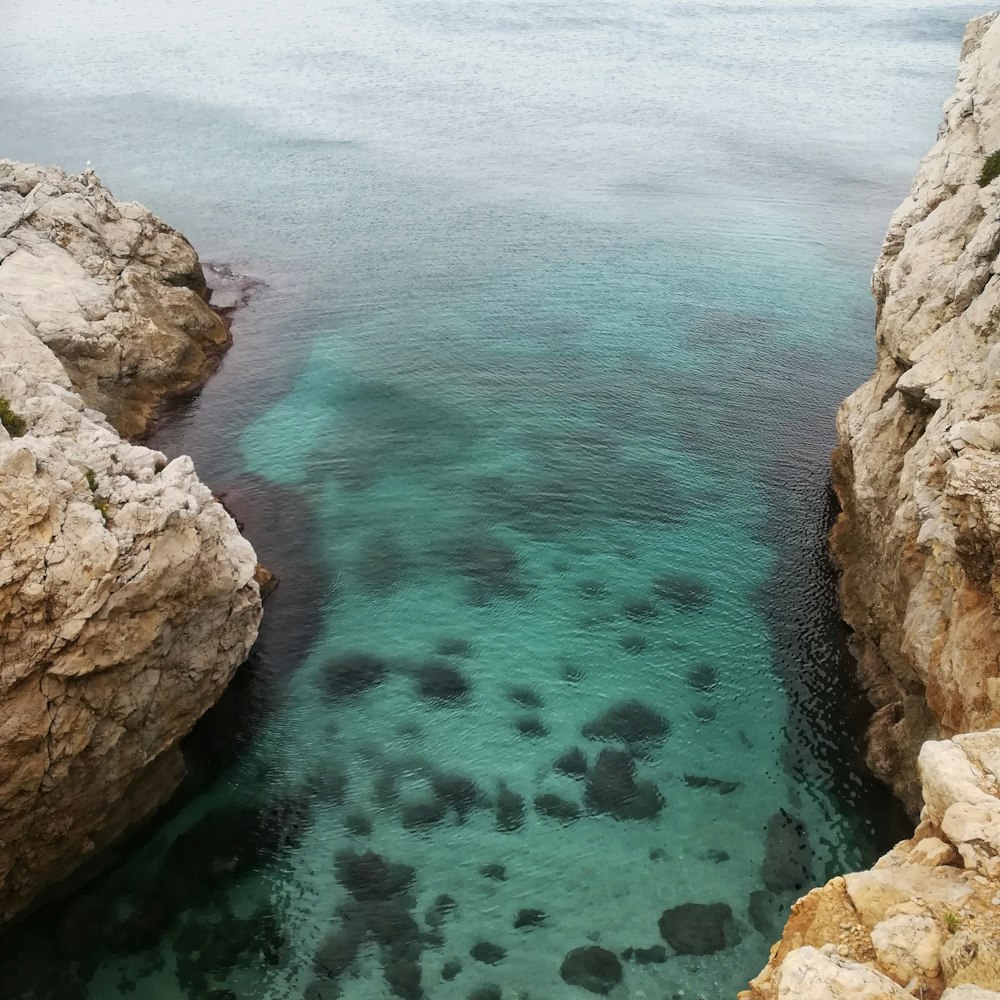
560	299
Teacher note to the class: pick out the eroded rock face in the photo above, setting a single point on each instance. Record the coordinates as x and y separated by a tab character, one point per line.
923	920
127	594
116	294
917	465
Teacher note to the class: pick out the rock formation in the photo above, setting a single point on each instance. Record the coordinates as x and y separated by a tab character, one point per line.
917	464
116	294
127	595
917	471
924	921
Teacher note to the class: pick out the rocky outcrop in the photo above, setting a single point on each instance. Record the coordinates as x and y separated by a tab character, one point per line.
917	465
923	922
127	595
917	471
116	294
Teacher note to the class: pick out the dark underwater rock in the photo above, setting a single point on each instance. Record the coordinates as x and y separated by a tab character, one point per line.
572	674
509	809
352	674
450	969
402	976
698	928
529	918
556	807
712	784
611	788
531	725
358	824
436	914
488	992
487	953
703	677
683	591
592	968
526	697
457	791
496	872
639	609
705	713
630	722
656	955
633	642
369	876
573	763
441	682
787	856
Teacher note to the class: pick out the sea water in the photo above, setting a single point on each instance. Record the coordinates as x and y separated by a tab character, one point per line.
531	411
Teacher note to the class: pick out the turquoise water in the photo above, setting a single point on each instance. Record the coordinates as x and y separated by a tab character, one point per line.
531	413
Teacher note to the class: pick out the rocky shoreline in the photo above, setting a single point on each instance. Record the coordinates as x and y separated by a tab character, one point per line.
128	597
917	473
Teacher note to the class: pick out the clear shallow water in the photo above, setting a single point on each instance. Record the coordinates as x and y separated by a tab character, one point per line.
560	299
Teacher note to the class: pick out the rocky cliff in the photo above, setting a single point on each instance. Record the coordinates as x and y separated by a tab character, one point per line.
127	594
917	465
917	471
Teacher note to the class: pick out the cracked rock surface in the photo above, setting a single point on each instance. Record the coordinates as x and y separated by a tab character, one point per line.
917	464
127	594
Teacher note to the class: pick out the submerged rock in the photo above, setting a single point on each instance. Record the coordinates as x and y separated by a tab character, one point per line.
496	872
458	792
531	726
352	674
703	677
683	591
630	722
509	809
592	968
611	788
526	697
488	992
441	682
370	877
656	955
573	763
555	807
699	928
487	953
450	969
639	609
633	642
529	918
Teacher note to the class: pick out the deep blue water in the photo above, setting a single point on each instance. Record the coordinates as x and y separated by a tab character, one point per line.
532	415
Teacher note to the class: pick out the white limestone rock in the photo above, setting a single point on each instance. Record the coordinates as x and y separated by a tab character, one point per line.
118	295
127	594
908	944
917	465
813	974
